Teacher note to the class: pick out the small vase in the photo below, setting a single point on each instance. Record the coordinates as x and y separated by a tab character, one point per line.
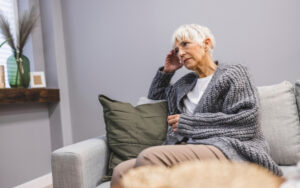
14	74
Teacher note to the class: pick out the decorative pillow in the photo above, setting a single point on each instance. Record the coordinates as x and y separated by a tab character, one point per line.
129	130
280	122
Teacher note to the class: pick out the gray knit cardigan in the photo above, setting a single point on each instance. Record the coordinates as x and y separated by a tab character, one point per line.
227	116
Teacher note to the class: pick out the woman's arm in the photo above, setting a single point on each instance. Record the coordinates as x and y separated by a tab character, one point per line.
160	85
239	118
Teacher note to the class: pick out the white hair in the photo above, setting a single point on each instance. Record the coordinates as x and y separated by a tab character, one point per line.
195	33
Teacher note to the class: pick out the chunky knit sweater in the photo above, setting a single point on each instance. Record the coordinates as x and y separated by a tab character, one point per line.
227	116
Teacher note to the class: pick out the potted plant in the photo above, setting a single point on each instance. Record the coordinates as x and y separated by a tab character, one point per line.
18	65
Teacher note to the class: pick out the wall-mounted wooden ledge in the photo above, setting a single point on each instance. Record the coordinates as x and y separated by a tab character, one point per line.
31	95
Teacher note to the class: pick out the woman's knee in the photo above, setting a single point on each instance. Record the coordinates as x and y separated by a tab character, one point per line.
120	170
148	156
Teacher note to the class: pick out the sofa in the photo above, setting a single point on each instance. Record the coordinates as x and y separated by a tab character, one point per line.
81	165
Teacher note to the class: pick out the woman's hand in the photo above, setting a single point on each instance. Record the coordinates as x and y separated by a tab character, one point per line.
173	121
172	62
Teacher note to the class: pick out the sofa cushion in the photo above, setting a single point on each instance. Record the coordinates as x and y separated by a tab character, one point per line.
130	130
280	122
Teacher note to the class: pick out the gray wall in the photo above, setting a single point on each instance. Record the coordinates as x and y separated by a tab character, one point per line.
30	132
114	47
25	139
25	143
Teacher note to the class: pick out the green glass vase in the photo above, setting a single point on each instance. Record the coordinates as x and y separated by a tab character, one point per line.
15	77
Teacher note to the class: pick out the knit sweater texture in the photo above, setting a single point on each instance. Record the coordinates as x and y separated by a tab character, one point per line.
227	116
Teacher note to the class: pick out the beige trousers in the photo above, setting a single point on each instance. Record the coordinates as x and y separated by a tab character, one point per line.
167	155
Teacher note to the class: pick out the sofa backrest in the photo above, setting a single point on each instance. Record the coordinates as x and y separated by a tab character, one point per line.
280	114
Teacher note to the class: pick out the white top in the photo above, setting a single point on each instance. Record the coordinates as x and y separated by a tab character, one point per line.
193	97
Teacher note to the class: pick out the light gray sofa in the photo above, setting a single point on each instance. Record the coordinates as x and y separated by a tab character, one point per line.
81	165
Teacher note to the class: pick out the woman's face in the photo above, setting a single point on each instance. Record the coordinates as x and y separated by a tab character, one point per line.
189	52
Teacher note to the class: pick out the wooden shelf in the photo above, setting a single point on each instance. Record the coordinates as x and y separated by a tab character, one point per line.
31	95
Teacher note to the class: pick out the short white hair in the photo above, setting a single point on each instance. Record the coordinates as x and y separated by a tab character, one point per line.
195	33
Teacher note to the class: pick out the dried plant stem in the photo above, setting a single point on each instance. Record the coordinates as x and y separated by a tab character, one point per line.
26	24
6	31
20	69
4	42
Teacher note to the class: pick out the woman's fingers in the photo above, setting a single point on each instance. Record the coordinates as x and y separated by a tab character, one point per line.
170	53
172	121
174	127
172	62
171	117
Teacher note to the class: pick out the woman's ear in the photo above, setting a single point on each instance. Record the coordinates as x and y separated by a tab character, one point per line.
207	43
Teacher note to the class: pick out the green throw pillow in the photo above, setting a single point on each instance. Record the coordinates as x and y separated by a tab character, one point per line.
129	129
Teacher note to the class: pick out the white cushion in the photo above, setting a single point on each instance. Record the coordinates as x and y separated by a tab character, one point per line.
280	122
145	100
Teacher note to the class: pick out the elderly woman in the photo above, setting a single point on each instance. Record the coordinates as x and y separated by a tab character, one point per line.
213	110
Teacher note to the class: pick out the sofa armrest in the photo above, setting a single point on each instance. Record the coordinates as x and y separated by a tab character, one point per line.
80	165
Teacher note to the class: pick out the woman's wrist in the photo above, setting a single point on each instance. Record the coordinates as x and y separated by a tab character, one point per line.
167	71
